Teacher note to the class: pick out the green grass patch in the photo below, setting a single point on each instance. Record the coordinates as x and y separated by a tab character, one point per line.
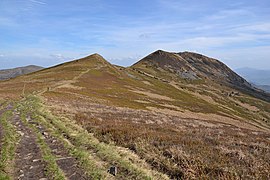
10	138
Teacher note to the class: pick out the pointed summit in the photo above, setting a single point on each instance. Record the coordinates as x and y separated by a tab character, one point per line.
158	58
94	58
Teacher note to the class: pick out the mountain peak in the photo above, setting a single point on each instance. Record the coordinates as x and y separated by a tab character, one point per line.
93	56
92	59
159	52
96	55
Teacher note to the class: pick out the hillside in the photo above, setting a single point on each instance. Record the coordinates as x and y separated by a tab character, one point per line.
11	73
169	116
193	66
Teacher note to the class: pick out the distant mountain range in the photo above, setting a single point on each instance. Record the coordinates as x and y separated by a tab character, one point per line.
259	78
11	73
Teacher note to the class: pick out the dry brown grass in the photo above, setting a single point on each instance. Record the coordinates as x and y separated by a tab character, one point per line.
180	147
196	151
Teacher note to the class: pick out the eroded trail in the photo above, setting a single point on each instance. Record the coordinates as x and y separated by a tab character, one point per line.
29	163
45	147
68	164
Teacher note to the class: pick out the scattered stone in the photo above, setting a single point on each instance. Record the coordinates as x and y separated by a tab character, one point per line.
45	134
21	133
113	170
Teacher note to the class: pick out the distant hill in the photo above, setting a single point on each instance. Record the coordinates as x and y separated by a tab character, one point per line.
264	87
11	73
260	78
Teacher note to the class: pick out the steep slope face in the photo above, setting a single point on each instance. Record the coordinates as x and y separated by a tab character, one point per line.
193	66
11	73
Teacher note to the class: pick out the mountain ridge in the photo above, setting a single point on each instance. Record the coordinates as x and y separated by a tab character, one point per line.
150	122
18	71
194	66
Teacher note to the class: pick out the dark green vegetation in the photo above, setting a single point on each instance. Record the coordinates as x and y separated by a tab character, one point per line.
171	115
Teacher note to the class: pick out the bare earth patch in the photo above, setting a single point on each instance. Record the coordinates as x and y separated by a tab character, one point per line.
245	105
147	83
153	95
69	86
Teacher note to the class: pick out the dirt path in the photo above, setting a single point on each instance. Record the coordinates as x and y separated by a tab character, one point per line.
29	160
65	83
29	164
69	165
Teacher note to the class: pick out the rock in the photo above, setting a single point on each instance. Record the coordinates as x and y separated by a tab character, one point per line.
45	134
21	133
113	170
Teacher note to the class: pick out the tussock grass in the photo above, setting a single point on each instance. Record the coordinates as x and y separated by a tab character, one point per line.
203	150
10	138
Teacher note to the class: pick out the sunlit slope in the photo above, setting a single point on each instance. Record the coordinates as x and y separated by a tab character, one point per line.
172	117
189	90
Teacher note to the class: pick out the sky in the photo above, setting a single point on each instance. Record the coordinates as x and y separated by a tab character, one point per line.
48	32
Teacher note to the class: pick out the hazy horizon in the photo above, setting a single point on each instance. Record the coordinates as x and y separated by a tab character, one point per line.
46	32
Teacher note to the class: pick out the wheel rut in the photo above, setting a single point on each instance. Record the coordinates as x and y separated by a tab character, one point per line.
29	164
68	164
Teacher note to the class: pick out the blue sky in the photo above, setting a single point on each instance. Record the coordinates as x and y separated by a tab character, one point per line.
47	32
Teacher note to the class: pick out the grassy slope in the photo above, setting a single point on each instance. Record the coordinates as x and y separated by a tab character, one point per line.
113	103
